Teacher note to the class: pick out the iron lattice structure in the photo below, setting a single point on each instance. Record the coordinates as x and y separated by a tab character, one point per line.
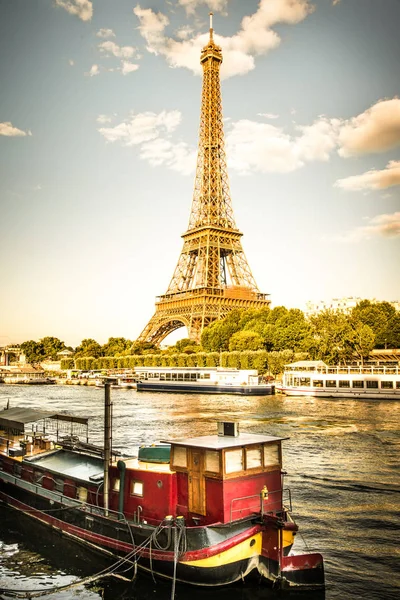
212	276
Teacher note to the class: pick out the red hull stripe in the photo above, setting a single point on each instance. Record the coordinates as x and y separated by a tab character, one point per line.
120	546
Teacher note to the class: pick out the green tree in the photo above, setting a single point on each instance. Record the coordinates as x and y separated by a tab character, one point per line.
245	340
116	346
292	331
34	351
51	347
377	315
88	347
216	336
332	339
392	334
277	361
141	347
362	340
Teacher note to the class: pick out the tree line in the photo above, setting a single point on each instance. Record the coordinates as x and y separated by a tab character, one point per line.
332	336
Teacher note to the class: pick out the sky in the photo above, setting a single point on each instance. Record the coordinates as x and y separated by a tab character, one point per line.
99	120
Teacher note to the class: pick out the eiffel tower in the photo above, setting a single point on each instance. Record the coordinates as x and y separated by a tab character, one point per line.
212	276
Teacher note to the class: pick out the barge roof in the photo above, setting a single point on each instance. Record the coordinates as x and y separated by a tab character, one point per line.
218	442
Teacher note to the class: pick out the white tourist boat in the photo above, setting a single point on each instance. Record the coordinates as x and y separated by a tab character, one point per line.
316	378
202	380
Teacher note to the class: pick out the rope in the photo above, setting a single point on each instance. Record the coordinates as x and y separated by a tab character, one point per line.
179	548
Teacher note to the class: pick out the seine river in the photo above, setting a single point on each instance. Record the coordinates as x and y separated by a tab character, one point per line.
342	461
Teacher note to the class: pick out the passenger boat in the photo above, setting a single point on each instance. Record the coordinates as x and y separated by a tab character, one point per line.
202	380
205	511
315	378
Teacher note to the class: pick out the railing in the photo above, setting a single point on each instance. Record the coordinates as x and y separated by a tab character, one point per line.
346	370
283	497
59	497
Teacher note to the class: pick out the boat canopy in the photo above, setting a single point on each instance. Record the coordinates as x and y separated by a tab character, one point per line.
306	364
16	418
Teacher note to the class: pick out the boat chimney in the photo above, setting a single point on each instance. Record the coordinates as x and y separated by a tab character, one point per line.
107	441
228	428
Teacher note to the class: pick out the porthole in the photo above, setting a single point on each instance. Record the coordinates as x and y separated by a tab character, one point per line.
159	483
252	542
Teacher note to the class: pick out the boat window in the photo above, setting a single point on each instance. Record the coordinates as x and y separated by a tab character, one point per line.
271	455
180	376
212	461
330	383
387	385
137	488
168	376
344	383
398	385
234	460
180	456
372	385
17	469
162	376
318	383
206	376
193	376
174	376
115	486
306	381
253	458
358	384
187	376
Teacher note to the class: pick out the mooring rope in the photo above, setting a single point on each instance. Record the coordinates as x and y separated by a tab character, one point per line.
179	548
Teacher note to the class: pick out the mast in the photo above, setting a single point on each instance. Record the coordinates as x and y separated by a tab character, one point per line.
107	442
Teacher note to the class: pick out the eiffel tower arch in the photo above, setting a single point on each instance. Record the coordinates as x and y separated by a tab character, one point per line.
212	276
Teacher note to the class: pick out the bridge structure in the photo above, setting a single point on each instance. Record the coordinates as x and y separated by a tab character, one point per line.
212	276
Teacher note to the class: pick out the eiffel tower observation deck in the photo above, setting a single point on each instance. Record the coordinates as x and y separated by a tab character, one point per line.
212	276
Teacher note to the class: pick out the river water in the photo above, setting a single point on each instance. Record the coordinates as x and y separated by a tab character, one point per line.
342	461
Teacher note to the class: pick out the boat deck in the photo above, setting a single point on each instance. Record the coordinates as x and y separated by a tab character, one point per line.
83	467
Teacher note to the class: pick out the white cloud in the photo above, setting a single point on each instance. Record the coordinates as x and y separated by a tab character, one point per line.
105	33
94	70
103	119
178	157
81	8
128	67
142	127
387	226
373	180
111	48
268	115
255	37
150	132
191	5
71	62
375	130
7	129
254	146
184	32
317	140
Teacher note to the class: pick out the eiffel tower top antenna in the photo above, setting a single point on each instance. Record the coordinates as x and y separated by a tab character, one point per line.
212	276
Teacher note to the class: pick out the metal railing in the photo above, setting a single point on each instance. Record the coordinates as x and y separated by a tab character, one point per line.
261	504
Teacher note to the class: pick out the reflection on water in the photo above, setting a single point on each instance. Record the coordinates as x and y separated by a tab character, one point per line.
342	464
